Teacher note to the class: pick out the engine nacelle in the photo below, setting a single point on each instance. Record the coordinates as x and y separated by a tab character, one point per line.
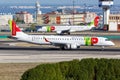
72	46
68	46
59	32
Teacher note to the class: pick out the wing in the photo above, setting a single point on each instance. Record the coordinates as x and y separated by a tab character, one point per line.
56	43
69	45
63	31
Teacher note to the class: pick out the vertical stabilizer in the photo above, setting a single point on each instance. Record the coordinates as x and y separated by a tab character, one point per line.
15	30
95	22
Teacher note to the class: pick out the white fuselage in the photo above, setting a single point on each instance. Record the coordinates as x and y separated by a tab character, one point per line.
63	29
75	41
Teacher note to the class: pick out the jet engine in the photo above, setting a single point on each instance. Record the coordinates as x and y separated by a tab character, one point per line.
72	46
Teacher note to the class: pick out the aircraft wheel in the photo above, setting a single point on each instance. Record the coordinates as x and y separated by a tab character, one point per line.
103	47
62	47
68	33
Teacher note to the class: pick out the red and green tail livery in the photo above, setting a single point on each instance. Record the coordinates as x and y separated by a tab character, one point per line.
13	27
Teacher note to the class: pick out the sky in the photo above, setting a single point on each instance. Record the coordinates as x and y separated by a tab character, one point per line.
55	1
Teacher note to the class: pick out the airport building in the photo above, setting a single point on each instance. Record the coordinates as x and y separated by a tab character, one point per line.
114	22
63	17
54	18
24	16
4	21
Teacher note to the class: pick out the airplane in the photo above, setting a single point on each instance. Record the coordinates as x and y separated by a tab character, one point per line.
62	41
69	28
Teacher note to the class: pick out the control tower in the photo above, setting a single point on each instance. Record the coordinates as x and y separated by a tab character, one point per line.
38	11
38	8
106	5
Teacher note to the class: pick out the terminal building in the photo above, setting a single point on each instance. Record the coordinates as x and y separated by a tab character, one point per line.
65	19
24	16
4	21
114	22
61	17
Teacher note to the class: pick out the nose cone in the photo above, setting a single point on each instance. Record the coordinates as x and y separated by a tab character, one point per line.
111	43
41	29
38	28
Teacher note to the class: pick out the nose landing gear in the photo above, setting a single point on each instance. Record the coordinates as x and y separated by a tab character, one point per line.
103	47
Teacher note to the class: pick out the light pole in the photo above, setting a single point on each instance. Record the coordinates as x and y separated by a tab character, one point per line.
73	10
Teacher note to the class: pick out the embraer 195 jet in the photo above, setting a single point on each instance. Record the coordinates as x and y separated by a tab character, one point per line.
64	42
69	28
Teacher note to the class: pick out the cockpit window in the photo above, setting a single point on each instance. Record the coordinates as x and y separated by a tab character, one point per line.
107	40
38	27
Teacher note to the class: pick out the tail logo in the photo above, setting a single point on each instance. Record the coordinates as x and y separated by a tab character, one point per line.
14	28
96	21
